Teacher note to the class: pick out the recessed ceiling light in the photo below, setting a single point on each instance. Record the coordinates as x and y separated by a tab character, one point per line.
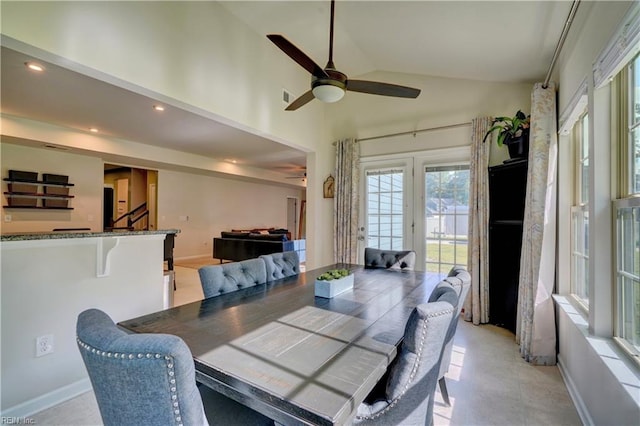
93	130
34	66
230	160
158	107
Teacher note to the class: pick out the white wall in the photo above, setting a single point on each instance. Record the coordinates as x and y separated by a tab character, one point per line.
195	53
86	173
196	56
442	102
45	285
601	381
211	203
599	378
214	204
238	82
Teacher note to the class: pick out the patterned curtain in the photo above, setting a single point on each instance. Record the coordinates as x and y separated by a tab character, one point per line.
535	324
476	307
345	206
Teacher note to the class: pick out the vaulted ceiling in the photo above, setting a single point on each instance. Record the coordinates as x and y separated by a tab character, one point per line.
501	41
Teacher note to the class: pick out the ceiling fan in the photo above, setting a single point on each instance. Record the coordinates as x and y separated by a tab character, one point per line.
298	172
329	84
303	176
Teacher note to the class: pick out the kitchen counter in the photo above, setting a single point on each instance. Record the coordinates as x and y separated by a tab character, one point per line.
48	278
27	236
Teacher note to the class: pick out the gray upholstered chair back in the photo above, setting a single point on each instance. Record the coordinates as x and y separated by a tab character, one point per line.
414	373
281	265
460	280
389	259
138	379
228	277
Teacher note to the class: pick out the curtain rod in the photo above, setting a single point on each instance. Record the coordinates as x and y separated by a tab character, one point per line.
413	132
563	36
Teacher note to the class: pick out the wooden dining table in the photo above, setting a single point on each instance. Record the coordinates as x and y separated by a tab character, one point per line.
295	357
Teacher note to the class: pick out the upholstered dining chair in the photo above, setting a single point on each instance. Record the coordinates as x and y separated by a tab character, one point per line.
149	379
228	277
281	265
389	259
460	280
412	377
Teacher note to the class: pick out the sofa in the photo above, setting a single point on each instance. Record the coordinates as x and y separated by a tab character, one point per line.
237	246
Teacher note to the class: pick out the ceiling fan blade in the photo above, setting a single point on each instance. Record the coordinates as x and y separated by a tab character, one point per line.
302	100
297	55
384	89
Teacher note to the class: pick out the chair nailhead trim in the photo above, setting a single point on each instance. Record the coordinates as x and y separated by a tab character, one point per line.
414	370
170	371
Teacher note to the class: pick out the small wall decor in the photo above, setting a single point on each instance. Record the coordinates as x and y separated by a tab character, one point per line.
329	187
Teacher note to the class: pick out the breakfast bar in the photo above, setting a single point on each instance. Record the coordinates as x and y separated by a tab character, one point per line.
48	278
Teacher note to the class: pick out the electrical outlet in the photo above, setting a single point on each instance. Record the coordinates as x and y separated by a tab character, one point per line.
7	218
44	345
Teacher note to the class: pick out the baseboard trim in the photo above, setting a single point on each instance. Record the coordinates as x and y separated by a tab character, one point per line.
48	400
581	408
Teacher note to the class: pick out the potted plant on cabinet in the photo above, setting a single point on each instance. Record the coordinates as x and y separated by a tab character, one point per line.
513	132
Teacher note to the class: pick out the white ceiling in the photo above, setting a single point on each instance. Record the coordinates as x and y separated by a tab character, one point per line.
502	41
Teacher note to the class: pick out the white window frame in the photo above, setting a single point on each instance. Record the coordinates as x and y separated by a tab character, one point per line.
620	334
579	287
629	199
446	168
579	257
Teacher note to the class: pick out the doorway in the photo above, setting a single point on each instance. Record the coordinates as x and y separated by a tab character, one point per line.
386	221
130	198
416	201
446	217
292	217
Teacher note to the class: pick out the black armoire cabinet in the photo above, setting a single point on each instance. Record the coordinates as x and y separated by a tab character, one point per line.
507	190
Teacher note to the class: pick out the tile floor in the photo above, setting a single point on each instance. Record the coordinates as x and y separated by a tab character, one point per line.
488	382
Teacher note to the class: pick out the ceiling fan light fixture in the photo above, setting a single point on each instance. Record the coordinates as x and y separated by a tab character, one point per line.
328	93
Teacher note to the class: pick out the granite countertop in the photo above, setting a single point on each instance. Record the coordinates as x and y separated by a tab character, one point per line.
24	236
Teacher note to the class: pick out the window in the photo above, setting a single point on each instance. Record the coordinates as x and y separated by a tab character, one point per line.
634	137
580	214
627	211
385	201
628	273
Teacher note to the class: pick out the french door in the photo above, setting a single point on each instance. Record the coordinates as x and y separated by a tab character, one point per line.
386	211
417	203
446	216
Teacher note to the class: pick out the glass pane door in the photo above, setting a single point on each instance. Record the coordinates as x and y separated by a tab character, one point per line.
385	209
384	218
446	217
